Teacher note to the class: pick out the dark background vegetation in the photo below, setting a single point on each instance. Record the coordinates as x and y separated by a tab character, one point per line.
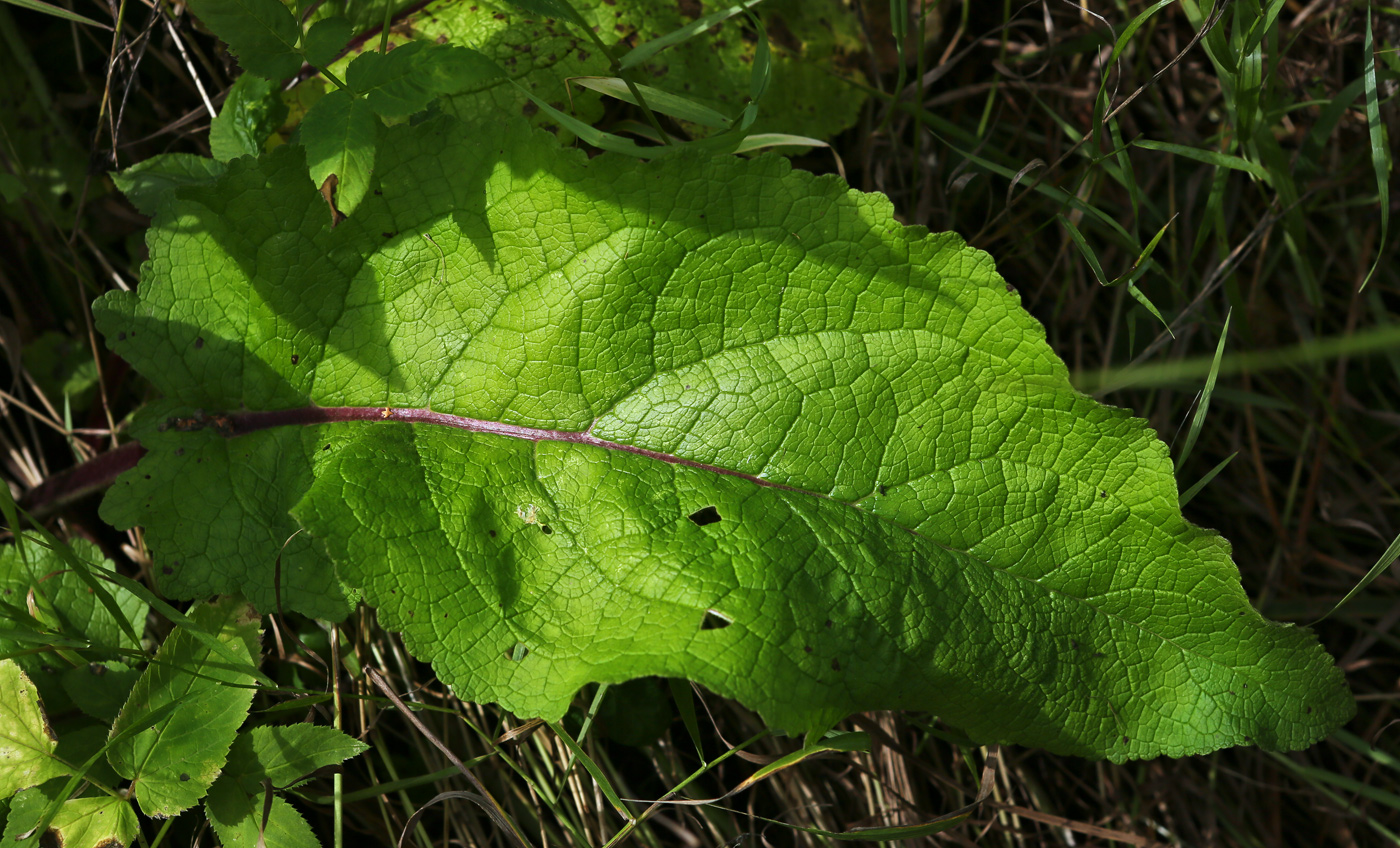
988	143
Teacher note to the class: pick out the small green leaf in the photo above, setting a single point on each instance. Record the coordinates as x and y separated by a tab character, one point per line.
326	39
252	112
64	369
27	744
261	33
339	133
100	822
172	764
11	188
287	754
151	182
237	817
100	689
62	594
403	81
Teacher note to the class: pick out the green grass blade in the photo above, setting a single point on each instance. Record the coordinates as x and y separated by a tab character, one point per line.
1371	752
759	141
684	697
592	768
1380	149
57	12
1386	561
1199	418
1209	157
1101	101
642	52
1084	249
1147	304
660	101
1205	481
1375	340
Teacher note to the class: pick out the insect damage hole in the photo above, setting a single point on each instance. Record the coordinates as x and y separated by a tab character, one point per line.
704	516
715	620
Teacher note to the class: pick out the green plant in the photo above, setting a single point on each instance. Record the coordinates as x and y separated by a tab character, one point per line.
168	724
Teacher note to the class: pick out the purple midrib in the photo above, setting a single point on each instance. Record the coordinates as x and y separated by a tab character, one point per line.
248	422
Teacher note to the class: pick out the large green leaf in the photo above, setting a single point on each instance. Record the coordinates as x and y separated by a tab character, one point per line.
172	763
565	420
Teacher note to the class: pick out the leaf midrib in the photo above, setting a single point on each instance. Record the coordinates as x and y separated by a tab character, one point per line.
249	422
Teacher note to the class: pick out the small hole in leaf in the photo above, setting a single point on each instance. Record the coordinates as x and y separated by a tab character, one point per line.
704	516
546	529
516	652
184	777
884	490
715	620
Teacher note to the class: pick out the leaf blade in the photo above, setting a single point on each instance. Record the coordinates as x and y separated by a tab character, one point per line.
173	763
622	352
